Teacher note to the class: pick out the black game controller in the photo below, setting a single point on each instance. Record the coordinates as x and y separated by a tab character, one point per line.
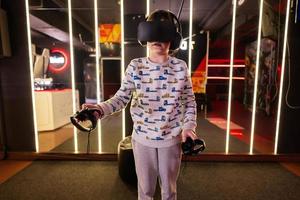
85	119
192	147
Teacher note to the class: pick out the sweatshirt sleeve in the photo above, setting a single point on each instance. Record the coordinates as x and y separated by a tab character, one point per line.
189	103
122	96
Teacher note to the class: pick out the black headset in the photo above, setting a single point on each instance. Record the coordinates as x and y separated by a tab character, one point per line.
192	147
161	26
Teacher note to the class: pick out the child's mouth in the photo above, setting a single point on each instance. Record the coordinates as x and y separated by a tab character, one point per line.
157	44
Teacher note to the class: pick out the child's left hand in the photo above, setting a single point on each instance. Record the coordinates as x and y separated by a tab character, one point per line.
188	133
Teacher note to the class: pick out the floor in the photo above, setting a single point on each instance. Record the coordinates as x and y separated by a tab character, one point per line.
52	139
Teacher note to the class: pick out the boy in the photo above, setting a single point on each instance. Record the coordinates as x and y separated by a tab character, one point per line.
163	110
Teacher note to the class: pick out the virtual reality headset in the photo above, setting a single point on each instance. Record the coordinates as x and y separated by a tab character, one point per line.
156	31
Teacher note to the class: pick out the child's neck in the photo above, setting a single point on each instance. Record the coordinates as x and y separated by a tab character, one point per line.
158	58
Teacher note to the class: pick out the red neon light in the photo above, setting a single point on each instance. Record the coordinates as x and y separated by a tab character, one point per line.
224	65
64	66
236	132
225	61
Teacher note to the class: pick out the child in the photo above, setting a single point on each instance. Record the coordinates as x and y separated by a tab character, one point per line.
163	110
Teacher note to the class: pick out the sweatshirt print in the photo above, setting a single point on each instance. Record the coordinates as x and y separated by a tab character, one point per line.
163	102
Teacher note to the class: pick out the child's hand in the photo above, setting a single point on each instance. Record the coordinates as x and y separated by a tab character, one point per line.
188	133
99	114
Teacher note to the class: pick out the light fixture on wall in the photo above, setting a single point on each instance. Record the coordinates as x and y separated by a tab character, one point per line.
122	63
97	57
256	76
147	14
190	36
72	72
230	76
36	138
282	75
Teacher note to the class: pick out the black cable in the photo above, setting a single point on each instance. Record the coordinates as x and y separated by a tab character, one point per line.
88	143
180	9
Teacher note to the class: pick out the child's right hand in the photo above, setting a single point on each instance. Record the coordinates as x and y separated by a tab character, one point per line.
99	114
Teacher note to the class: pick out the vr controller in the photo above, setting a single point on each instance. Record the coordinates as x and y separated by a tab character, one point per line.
85	120
192	147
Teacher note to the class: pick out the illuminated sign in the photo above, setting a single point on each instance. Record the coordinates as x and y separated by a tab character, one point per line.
184	45
58	60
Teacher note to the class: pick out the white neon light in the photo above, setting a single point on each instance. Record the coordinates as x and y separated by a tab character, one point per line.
122	64
36	138
147	14
230	76
72	71
256	76
190	37
97	71
282	75
296	13
184	45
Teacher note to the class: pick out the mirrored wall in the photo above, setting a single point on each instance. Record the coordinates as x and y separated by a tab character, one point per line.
233	49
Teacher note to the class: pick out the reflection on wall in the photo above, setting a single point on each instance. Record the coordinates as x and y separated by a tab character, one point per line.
90	80
199	52
267	77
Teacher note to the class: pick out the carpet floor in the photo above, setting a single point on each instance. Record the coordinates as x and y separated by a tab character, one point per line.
89	180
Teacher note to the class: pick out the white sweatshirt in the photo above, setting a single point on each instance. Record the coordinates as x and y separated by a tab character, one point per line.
163	103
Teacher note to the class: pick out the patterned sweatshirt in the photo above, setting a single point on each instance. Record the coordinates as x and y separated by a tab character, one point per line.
163	102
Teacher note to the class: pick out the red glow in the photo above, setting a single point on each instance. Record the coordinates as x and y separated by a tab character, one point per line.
226	61
64	66
236	132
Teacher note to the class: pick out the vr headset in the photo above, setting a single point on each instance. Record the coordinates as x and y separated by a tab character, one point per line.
85	120
156	30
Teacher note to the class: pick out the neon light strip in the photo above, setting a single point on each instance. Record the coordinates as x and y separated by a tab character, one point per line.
225	78
97	70
256	76
207	54
36	137
122	64
230	75
282	75
147	14
296	13
235	66
206	68
190	37
72	71
224	61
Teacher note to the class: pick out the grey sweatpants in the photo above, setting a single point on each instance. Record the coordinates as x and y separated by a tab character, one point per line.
152	163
